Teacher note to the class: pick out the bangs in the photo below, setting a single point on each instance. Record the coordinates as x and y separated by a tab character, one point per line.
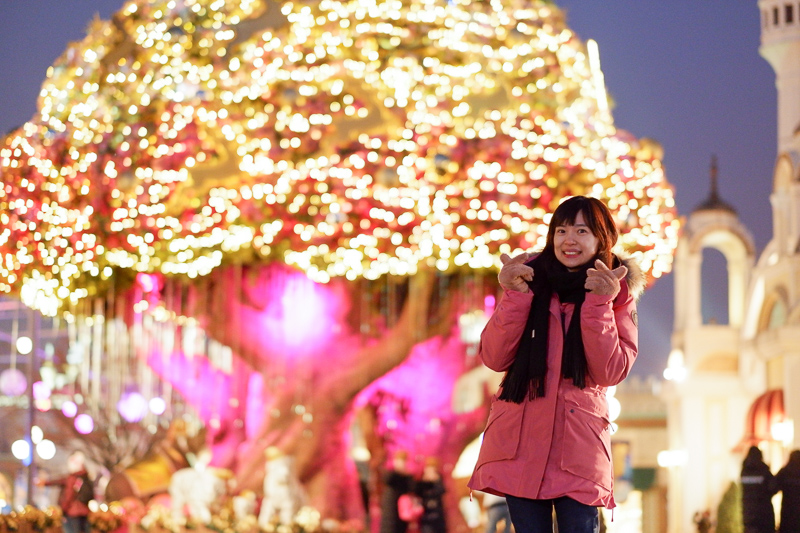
596	216
567	212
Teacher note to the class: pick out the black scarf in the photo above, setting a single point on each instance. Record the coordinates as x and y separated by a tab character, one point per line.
527	373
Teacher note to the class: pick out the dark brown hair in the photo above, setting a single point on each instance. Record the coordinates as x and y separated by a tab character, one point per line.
597	217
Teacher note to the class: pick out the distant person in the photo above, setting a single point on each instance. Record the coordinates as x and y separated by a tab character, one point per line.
77	490
430	489
703	521
788	482
758	487
398	481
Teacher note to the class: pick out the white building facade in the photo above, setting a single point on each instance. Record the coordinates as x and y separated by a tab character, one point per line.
737	384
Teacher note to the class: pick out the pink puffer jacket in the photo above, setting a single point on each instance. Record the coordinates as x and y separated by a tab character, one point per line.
558	445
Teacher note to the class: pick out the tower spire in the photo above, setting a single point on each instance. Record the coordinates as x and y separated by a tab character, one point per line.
714	202
714	195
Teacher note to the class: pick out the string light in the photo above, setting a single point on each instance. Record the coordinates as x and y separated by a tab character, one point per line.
346	138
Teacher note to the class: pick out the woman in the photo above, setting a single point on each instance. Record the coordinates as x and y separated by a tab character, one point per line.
564	330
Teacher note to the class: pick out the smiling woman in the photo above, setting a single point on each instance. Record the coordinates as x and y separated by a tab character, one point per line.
553	395
575	243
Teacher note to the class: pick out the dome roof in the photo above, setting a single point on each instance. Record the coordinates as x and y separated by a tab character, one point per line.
714	202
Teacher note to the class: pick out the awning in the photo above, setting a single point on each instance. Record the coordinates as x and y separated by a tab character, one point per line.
765	411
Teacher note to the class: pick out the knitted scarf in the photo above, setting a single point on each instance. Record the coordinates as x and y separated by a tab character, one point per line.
527	373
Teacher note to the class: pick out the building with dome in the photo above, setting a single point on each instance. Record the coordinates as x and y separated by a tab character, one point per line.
733	383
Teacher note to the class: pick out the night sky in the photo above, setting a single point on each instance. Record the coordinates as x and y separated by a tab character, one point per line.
682	72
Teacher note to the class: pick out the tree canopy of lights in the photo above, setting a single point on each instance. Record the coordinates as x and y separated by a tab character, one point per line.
353	138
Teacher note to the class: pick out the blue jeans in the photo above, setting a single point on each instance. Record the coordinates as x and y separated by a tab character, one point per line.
76	524
536	516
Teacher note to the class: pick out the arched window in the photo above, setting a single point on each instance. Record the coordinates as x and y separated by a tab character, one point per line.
714	295
777	315
774	313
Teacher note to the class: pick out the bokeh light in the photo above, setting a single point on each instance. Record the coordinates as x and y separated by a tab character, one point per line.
132	406
21	449
46	449
157	405
41	391
346	138
84	424
69	409
13	382
24	345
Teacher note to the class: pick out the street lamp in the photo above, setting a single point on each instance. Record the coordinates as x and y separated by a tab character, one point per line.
676	368
783	431
672	458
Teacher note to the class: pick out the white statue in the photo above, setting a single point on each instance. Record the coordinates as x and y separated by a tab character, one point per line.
196	489
244	505
283	494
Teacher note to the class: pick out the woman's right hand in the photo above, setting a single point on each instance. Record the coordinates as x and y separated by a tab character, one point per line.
515	273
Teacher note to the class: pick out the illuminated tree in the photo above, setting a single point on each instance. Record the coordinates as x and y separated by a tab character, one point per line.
199	144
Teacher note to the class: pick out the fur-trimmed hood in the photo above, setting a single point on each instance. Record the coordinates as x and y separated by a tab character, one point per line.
636	278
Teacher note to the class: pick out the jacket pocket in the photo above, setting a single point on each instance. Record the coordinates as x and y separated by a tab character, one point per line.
587	445
501	436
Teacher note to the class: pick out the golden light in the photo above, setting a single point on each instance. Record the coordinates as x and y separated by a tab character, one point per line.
347	138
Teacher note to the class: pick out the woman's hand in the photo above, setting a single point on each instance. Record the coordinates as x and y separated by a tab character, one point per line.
515	273
603	280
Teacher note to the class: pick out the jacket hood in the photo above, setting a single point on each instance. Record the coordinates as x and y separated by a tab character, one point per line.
636	278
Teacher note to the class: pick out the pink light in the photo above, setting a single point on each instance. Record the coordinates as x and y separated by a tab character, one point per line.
69	409
417	396
41	391
84	424
148	282
132	406
13	382
488	304
196	379
302	318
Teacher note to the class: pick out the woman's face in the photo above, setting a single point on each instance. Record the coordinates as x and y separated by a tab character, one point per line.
575	245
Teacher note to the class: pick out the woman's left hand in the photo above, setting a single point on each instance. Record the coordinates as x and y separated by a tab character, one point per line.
603	280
